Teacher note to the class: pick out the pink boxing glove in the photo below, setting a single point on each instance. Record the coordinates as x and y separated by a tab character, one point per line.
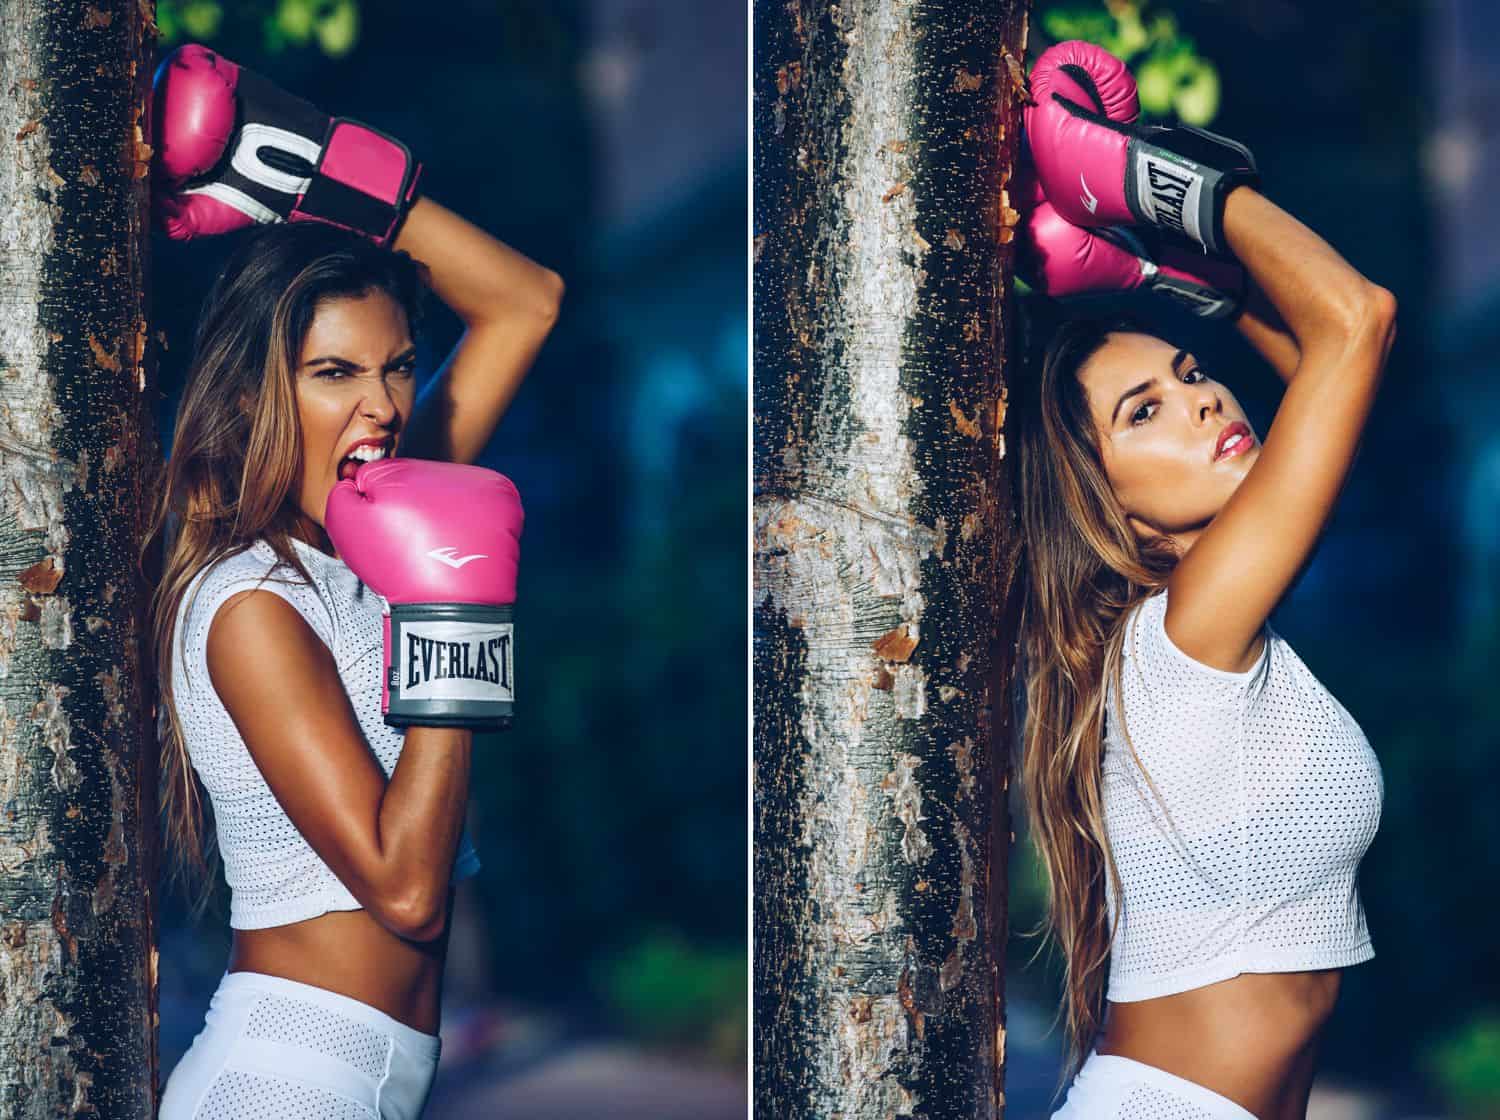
440	543
236	150
1100	168
1063	260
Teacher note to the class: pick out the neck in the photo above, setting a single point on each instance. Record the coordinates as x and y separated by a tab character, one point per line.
310	533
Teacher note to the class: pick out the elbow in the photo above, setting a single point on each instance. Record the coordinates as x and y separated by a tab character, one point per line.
1383	308
550	293
1365	313
1375	321
530	307
417	919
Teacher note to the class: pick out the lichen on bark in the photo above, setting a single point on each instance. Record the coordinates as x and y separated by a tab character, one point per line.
879	166
77	796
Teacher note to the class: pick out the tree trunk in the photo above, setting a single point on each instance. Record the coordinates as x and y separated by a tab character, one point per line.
884	133
77	768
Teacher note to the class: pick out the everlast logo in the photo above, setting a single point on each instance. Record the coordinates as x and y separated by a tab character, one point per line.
430	660
1169	189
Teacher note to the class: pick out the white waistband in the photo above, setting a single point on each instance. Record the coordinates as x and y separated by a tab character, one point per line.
418	1042
1115	1068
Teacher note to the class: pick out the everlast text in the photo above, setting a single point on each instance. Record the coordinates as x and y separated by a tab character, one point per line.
1168	192
431	660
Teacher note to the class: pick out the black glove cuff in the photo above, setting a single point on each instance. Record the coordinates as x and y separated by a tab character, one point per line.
451	665
343	193
1176	179
1197	299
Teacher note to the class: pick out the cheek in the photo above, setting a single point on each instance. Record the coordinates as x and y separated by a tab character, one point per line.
1144	472
321	417
1123	466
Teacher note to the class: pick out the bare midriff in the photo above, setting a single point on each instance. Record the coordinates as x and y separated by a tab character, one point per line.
1252	1038
349	952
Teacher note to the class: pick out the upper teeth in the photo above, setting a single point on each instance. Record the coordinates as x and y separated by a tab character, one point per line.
367	453
1231	441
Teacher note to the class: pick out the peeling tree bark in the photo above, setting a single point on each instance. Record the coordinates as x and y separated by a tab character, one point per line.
77	778
880	824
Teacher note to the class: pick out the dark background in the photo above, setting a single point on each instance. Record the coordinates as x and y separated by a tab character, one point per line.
606	140
1375	125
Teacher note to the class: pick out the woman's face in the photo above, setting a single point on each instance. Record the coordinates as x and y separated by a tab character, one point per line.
355	380
1166	435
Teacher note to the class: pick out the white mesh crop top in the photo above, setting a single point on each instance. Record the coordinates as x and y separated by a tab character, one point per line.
1275	795
274	875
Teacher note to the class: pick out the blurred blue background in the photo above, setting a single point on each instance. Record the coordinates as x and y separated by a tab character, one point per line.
598	963
1378	126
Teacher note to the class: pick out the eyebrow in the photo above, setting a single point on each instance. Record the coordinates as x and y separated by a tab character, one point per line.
1141	388
1177	361
409	352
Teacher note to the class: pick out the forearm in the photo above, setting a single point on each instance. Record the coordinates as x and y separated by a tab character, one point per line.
1264	329
1322	302
480	277
422	817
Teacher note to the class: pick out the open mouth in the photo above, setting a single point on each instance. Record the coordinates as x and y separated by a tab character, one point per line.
1234	440
365	453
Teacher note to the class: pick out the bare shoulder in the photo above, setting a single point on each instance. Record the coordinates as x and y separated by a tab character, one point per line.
281	687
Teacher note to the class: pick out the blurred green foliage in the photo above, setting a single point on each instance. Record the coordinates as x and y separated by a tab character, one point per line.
673	992
1172	78
1466	1066
330	25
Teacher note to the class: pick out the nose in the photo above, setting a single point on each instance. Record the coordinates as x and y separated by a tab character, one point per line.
377	404
1206	401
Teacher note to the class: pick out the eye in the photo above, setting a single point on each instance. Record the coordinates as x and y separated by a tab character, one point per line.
332	373
1141	415
1196	374
407	368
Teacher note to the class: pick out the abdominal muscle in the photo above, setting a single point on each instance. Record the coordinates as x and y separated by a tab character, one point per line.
1252	1038
349	952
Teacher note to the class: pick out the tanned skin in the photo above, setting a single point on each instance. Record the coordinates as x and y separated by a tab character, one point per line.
1243	526
391	842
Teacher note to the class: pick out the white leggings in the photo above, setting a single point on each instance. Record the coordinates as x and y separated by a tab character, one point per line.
277	1049
1110	1087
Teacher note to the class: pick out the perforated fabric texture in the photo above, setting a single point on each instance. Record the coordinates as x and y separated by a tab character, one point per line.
274	875
316	1028
240	1095
1272	795
1111	1087
1146	1102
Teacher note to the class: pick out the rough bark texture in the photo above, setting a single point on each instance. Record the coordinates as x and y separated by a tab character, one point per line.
884	132
77	778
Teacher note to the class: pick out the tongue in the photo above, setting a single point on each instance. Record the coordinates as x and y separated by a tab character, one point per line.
347	467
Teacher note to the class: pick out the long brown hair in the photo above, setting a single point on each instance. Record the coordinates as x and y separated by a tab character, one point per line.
1081	569
236	455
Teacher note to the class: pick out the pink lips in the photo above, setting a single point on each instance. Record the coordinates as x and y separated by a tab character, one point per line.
1232	430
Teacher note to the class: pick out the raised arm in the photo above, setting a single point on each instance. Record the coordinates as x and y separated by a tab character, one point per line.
1263	328
215	120
508	304
1237	570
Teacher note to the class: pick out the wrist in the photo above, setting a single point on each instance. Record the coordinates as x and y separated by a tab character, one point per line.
1179	180
440	738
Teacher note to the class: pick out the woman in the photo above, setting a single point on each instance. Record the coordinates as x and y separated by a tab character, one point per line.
1199	800
341	835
